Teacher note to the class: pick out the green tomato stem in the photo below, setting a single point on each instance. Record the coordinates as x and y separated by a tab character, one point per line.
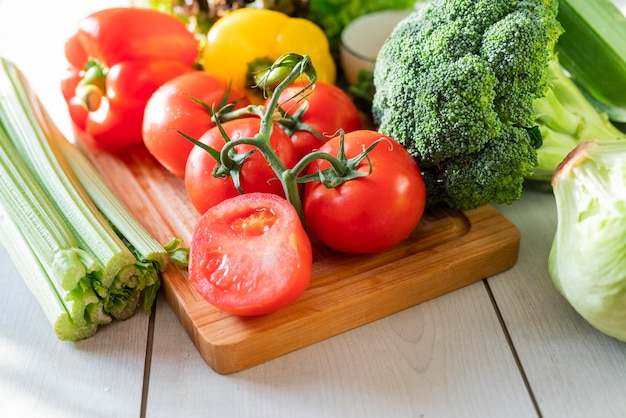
339	166
298	66
239	113
342	168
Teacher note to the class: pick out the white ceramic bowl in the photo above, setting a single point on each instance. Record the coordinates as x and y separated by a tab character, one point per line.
362	38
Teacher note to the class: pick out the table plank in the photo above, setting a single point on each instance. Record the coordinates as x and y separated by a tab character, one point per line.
573	369
447	357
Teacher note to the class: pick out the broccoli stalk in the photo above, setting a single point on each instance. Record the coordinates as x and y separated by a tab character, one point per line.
455	83
587	262
565	118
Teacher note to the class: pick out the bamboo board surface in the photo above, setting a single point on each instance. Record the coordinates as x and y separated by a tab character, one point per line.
448	250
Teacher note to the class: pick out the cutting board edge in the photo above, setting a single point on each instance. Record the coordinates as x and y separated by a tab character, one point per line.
227	357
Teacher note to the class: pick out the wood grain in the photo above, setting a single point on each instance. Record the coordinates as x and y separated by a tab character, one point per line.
448	250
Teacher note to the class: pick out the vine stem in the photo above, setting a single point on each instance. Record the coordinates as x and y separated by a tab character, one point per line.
343	169
287	177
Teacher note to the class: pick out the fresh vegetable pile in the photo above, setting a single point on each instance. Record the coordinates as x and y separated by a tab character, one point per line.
470	101
270	151
240	167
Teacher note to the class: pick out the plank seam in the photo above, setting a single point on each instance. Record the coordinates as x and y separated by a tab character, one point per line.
509	341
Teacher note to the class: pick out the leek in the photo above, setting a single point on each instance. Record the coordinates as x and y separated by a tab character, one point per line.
77	247
593	51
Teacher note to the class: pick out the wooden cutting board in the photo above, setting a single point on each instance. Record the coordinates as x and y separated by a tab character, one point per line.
448	250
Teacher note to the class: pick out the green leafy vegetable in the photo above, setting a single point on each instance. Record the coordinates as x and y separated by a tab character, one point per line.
588	256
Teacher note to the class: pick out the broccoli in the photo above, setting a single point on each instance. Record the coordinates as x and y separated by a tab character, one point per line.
455	83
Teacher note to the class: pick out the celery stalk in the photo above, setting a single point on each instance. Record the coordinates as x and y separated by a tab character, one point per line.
50	250
78	248
38	281
42	157
152	257
55	244
109	204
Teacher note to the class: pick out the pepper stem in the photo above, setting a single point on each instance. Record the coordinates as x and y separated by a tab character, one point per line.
92	86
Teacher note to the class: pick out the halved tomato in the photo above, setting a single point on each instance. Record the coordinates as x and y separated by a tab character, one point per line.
250	255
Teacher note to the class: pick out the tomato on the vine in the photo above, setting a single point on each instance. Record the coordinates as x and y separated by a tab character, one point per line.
250	255
329	109
256	174
370	213
173	107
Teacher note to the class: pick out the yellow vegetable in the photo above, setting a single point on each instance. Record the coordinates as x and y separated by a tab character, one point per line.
258	37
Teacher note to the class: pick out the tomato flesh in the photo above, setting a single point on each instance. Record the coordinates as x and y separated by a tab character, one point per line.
250	255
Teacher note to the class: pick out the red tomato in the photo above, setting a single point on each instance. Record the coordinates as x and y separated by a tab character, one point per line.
256	175
250	255
330	109
372	213
171	109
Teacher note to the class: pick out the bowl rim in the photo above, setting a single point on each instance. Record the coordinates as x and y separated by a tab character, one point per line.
400	13
357	54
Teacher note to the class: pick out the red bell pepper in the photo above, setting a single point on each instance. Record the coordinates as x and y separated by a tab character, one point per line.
117	58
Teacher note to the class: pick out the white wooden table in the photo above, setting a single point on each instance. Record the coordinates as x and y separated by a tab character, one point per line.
508	346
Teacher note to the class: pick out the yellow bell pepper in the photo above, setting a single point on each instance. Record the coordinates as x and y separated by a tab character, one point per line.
248	34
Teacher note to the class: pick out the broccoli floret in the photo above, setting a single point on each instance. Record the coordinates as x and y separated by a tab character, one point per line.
454	121
470	177
456	84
